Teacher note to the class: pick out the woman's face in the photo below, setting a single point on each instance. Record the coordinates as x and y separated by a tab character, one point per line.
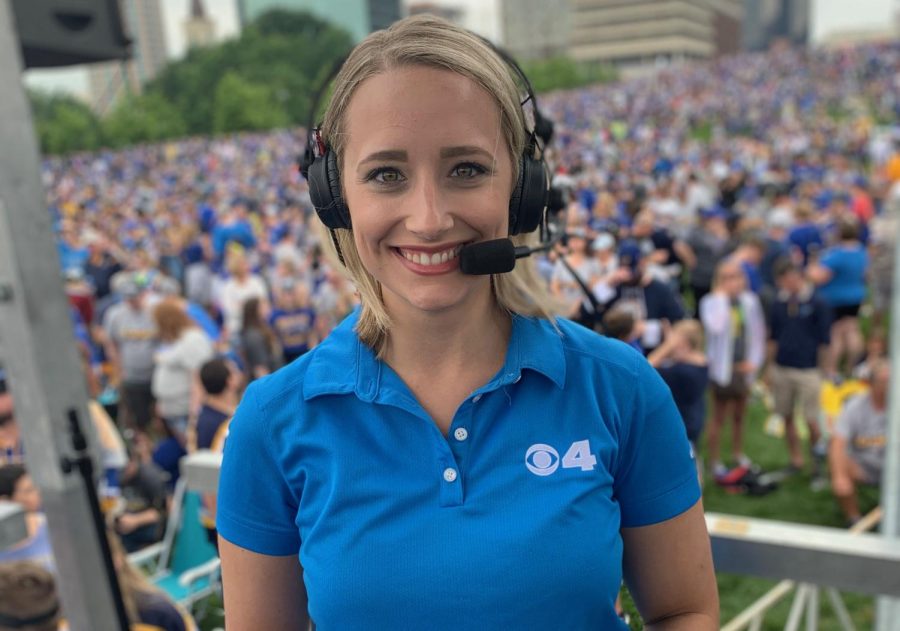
425	170
26	493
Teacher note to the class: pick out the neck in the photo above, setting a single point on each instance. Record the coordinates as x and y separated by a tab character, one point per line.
224	402
471	335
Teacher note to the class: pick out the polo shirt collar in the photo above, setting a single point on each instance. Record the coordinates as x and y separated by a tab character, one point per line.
343	364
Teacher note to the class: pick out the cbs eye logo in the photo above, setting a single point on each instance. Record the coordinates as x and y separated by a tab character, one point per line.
543	460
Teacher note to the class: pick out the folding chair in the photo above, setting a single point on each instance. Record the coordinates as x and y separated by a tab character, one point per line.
184	564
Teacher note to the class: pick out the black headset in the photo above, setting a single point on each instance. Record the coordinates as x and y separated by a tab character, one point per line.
529	197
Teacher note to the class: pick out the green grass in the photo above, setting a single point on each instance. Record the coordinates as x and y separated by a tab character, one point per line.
793	501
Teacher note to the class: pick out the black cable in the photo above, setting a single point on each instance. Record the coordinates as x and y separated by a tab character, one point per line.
82	461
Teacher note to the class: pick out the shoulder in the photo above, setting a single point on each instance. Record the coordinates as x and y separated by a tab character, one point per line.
584	348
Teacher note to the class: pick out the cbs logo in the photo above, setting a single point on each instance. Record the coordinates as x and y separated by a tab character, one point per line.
543	460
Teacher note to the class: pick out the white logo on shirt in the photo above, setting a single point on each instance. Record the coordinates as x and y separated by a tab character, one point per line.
543	460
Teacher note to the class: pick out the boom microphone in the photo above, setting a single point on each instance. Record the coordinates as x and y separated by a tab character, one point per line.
495	257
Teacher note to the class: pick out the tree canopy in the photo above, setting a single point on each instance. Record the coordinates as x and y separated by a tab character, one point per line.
261	80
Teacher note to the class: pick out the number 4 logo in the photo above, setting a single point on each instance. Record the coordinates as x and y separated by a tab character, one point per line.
543	460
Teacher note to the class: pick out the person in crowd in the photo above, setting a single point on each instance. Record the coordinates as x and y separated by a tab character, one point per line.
857	450
146	606
566	287
650	301
806	236
28	598
620	324
222	384
184	348
259	345
12	449
605	258
130	343
293	321
706	245
658	248
17	486
840	275
241	286
142	519
749	254
799	333
681	362
371	433
735	331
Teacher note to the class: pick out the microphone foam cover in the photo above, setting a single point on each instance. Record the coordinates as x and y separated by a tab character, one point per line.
488	257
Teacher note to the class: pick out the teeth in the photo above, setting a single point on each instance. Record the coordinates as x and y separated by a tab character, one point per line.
437	258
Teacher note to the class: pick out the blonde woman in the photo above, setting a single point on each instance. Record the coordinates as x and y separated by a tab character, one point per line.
452	457
184	348
146	606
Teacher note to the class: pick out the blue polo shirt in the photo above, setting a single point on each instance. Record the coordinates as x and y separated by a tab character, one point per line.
510	522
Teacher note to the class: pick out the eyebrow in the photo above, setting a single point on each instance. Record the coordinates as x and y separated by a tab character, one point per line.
399	155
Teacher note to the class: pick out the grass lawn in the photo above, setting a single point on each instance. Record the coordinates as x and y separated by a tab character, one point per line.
794	501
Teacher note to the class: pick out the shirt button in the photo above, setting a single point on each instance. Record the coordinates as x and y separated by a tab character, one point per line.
450	474
476	398
461	434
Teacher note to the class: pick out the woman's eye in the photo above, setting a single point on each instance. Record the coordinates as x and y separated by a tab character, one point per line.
385	175
468	170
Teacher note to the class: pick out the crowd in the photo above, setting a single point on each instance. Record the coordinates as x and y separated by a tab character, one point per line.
735	221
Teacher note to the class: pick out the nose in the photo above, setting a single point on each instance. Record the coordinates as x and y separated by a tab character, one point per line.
428	217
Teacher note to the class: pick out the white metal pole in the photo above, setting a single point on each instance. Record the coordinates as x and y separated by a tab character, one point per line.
888	613
40	355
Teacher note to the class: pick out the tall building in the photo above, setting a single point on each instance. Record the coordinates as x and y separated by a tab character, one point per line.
535	29
359	17
199	28
108	81
766	21
630	33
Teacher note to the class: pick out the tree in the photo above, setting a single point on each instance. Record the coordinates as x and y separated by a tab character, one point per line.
63	123
145	118
241	105
283	52
561	73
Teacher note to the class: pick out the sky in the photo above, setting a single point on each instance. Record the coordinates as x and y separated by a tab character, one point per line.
482	16
839	15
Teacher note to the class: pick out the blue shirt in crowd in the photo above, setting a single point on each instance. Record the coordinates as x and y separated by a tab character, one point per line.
848	265
511	521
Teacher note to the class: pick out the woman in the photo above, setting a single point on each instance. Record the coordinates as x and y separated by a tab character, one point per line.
147	607
735	347
446	458
184	348
841	277
565	286
241	286
259	346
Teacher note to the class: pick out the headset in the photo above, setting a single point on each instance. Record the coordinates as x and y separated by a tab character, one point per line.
529	198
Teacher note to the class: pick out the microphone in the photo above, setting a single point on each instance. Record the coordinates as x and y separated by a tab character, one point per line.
495	257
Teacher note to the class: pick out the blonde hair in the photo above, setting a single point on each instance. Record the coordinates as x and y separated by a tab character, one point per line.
692	332
171	319
134	585
429	41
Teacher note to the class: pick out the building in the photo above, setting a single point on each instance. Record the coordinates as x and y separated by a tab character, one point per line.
454	14
199	28
638	33
767	21
359	17
535	29
108	81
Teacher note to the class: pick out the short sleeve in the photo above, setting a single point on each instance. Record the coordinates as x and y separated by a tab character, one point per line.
256	508
846	420
655	477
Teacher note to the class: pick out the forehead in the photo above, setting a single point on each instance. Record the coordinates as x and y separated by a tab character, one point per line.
419	106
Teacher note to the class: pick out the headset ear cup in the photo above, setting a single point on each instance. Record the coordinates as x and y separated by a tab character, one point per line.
337	193
529	199
325	192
